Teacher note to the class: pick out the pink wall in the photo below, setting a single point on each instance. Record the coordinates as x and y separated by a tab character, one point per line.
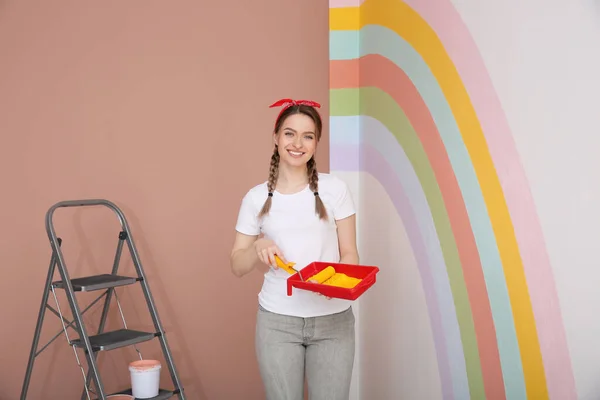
146	105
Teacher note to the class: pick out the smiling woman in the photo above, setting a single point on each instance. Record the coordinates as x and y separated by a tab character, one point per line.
305	216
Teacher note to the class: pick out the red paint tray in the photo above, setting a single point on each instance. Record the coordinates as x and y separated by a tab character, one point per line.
364	272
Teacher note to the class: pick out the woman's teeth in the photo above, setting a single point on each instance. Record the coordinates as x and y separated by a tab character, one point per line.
295	153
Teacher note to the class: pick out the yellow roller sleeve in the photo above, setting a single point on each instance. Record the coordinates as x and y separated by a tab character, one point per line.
323	275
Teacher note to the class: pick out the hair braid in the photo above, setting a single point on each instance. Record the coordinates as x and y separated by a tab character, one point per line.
273	175
313	181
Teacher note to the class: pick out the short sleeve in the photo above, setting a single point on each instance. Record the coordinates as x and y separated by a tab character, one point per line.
247	221
344	205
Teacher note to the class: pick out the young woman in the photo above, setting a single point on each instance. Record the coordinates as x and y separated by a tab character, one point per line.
304	216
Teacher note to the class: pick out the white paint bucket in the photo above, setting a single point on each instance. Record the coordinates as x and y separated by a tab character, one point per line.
145	378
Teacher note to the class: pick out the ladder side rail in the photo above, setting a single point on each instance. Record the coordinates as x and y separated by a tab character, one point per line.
70	294
153	311
38	325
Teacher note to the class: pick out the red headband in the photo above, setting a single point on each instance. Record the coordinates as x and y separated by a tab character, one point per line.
287	103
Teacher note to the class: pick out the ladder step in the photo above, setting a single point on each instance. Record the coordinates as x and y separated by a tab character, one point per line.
97	282
162	394
116	339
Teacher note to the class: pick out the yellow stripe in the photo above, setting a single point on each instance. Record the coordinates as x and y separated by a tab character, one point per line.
409	25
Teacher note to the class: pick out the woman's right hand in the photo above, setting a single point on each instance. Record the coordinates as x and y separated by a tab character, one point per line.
266	250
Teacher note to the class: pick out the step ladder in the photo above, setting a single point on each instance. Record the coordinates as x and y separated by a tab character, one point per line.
107	283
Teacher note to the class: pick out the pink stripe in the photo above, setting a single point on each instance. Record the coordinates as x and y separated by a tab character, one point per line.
345	3
447	23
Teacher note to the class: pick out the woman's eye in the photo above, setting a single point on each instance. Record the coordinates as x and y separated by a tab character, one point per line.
289	134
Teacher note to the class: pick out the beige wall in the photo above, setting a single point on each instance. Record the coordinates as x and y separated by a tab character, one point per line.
155	106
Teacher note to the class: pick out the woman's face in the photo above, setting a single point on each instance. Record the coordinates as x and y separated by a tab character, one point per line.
296	140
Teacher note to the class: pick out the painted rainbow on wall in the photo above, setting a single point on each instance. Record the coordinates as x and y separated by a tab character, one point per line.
411	95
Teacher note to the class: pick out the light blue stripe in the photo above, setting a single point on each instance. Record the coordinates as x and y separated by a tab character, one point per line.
343	45
346	47
380	40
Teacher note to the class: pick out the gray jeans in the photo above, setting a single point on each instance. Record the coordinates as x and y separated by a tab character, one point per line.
323	346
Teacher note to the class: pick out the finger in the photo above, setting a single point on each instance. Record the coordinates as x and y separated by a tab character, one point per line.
279	253
271	255
259	255
265	256
262	258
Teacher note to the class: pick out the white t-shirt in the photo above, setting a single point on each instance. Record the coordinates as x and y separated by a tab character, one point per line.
296	229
